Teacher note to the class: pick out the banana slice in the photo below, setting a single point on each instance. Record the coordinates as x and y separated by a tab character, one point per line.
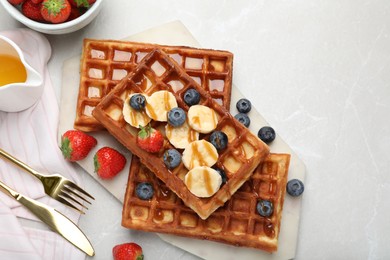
181	136
158	105
199	153
203	181
133	117
202	119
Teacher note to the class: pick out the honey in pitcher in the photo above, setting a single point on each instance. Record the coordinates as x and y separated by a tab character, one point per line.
12	70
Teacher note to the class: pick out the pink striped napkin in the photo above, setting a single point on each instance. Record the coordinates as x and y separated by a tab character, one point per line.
30	136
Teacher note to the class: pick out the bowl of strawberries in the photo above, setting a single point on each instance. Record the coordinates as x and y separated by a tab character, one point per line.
53	16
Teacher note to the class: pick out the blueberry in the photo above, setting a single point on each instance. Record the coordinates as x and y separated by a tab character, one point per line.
219	140
191	97
176	117
295	187
138	102
243	119
222	173
144	191
265	208
243	105
266	134
172	158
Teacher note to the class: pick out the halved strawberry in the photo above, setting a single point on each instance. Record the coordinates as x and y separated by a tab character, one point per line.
150	139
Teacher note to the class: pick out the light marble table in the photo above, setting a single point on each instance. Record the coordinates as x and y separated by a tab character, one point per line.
318	71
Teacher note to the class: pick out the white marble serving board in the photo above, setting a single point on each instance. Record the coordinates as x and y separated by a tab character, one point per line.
175	33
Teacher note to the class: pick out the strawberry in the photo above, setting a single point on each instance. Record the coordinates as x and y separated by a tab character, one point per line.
150	139
82	3
55	11
75	145
16	2
108	162
37	1
75	13
127	251
32	11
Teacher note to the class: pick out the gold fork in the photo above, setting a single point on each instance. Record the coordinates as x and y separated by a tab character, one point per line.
55	185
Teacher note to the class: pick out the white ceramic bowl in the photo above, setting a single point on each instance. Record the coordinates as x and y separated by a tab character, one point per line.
61	28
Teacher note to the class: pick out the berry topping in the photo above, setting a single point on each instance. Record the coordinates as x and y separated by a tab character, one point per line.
219	140
82	3
108	162
144	191
55	11
295	187
150	139
243	119
222	173
266	134
172	158
265	208
76	145
243	105
138	102
127	251
191	97
176	117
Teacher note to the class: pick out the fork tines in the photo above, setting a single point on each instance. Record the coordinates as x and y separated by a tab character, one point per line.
71	193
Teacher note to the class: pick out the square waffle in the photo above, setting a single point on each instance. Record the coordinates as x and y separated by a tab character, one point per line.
156	72
236	223
105	62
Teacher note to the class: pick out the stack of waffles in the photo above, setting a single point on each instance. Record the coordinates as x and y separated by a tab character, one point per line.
113	71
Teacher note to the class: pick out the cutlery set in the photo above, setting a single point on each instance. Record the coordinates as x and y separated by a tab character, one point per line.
60	189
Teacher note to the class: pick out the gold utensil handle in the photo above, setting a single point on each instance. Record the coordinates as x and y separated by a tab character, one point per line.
8	190
18	163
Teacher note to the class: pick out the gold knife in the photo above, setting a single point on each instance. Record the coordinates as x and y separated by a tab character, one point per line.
54	219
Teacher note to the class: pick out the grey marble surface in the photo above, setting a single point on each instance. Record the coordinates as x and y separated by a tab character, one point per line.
319	73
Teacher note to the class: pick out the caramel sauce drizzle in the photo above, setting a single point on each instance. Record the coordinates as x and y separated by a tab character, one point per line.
192	135
159	215
211	152
196	120
214	116
207	182
189	181
197	155
151	110
132	118
166	101
269	229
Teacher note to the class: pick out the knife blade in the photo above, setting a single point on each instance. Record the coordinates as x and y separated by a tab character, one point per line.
54	219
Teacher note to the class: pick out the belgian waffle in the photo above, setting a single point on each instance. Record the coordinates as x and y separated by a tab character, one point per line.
105	62
242	155
236	223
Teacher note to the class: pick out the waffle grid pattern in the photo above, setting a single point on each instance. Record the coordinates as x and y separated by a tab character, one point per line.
157	72
105	62
236	223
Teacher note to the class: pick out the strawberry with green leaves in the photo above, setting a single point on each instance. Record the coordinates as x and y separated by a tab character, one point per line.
127	251
150	139
108	162
55	11
75	145
82	3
